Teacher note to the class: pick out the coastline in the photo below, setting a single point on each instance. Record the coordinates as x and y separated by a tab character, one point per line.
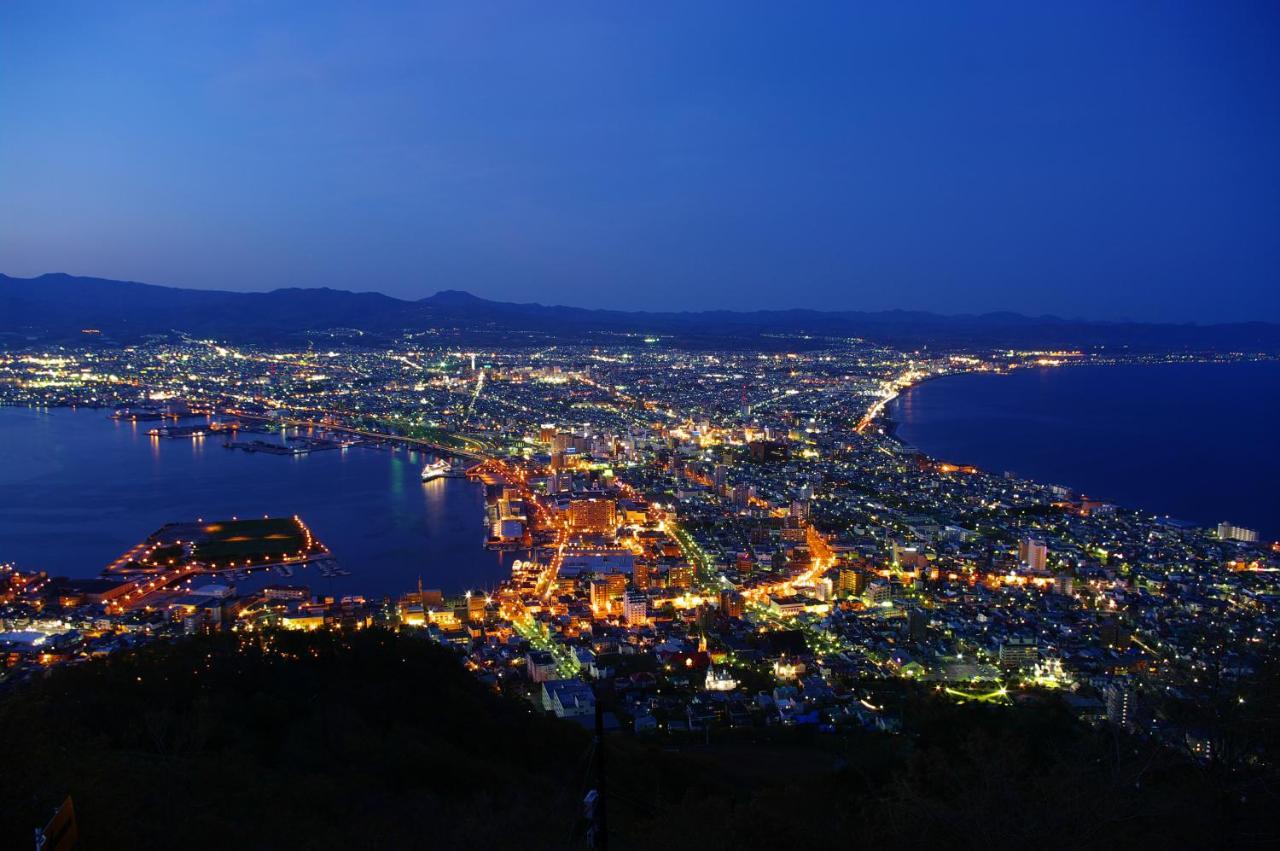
1161	480
420	529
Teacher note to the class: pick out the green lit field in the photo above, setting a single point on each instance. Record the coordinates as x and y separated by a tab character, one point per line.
240	543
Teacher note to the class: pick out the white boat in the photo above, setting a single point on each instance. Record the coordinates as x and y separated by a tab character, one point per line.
435	470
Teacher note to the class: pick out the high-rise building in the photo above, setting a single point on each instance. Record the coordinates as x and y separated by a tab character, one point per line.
541	666
635	608
1033	553
680	576
851	582
732	603
877	592
606	591
1120	704
475	607
1018	654
566	442
1114	633
917	626
599	591
908	556
642	575
593	515
1229	532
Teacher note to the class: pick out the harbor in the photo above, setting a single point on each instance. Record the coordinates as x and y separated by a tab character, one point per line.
383	525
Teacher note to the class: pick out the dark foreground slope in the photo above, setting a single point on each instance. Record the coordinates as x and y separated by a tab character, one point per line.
373	740
284	741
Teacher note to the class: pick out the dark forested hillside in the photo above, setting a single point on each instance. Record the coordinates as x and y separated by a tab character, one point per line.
377	740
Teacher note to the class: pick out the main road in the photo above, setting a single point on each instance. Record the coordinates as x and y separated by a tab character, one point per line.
414	441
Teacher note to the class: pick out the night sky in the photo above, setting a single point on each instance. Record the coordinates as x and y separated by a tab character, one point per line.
1103	160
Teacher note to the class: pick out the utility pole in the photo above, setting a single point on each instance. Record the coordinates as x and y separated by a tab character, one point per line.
596	803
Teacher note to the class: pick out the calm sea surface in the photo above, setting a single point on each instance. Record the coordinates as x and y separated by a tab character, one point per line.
78	489
1200	442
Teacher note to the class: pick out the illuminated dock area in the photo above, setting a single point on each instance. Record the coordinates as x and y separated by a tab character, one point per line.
180	551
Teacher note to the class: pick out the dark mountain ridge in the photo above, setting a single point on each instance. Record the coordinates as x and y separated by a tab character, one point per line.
59	306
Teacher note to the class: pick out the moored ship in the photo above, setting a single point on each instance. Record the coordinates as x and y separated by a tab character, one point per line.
435	470
457	469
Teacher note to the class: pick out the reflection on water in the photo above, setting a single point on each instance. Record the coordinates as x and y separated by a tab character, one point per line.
77	489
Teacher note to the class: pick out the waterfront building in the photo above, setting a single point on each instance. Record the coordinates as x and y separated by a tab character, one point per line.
475	607
1230	532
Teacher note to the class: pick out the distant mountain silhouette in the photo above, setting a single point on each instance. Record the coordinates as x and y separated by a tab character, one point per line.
59	306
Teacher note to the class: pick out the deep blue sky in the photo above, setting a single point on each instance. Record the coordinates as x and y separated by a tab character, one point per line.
1104	160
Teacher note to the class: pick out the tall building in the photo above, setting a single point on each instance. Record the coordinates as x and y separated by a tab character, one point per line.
593	515
917	626
642	575
680	576
1120	704
767	451
732	603
877	592
635	608
1033	553
475	607
566	442
851	582
1019	654
606	591
908	556
541	666
1230	532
